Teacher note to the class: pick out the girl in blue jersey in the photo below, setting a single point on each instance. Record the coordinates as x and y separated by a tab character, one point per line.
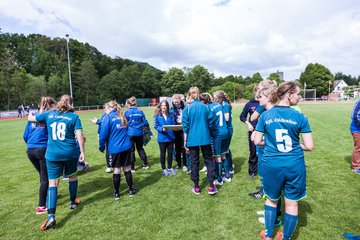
165	138
113	133
283	160
137	121
36	137
222	98
219	134
98	122
197	120
65	148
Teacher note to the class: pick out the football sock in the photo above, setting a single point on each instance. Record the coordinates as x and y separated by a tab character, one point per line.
278	211
270	217
73	186
290	222
52	199
226	167
219	172
229	158
129	180
116	182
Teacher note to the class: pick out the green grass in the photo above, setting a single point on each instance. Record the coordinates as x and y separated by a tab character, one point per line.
165	208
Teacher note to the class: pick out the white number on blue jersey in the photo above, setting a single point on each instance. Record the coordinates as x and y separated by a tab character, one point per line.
284	142
58	131
221	122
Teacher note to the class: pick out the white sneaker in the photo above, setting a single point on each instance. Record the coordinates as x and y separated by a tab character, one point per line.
216	182
261	220
262	212
203	169
232	172
185	168
108	170
227	179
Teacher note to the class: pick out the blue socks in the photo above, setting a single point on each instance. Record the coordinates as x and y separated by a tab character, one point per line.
270	217
219	166
52	199
290	222
73	186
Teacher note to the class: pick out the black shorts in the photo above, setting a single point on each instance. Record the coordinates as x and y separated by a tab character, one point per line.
121	159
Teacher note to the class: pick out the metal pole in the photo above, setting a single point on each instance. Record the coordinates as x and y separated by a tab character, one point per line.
68	59
304	91
329	92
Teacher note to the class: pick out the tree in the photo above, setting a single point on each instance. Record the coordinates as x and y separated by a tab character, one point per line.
351	81
200	77
256	78
113	86
276	77
316	76
174	81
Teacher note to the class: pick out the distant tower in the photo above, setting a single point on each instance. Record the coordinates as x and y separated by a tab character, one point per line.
281	75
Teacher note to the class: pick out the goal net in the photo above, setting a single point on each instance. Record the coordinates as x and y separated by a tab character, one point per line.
308	94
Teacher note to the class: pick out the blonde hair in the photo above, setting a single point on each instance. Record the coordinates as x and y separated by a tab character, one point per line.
115	106
65	104
132	101
193	93
46	103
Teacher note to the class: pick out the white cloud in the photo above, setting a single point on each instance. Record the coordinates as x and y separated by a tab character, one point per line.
228	37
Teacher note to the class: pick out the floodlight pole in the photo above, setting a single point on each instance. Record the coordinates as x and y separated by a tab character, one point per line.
68	60
304	91
329	92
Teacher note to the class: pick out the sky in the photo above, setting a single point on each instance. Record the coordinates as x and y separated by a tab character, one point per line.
228	37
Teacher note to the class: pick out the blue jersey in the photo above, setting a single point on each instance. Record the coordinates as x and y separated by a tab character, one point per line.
355	118
282	127
159	122
114	134
219	126
62	145
136	120
196	122
227	109
260	109
99	121
35	134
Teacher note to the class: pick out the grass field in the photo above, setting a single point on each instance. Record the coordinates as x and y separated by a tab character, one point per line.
165	207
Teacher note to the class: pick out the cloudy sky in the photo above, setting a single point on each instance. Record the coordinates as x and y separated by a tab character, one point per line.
239	37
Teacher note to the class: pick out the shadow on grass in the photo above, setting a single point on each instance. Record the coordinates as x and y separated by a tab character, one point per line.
239	162
304	210
348	159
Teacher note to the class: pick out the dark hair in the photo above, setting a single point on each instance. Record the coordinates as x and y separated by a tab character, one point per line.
158	107
205	98
284	88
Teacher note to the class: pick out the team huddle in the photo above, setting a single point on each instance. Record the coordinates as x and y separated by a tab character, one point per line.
55	146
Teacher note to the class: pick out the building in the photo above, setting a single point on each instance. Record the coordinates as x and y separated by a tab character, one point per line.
339	86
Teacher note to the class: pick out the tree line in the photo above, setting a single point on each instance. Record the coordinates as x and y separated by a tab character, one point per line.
36	65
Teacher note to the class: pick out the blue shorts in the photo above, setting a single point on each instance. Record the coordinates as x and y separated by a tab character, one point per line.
218	145
56	169
291	179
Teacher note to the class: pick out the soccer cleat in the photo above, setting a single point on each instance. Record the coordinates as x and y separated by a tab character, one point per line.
204	169
232	172
133	170
116	195
184	168
108	170
227	179
251	176
145	166
262	212
49	223
262	235
65	178
196	190
74	204
165	172
356	171
41	210
171	171
217	182
256	195
133	192
212	190
177	168
279	235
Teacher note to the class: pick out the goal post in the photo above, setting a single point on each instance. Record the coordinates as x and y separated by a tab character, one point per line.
308	94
